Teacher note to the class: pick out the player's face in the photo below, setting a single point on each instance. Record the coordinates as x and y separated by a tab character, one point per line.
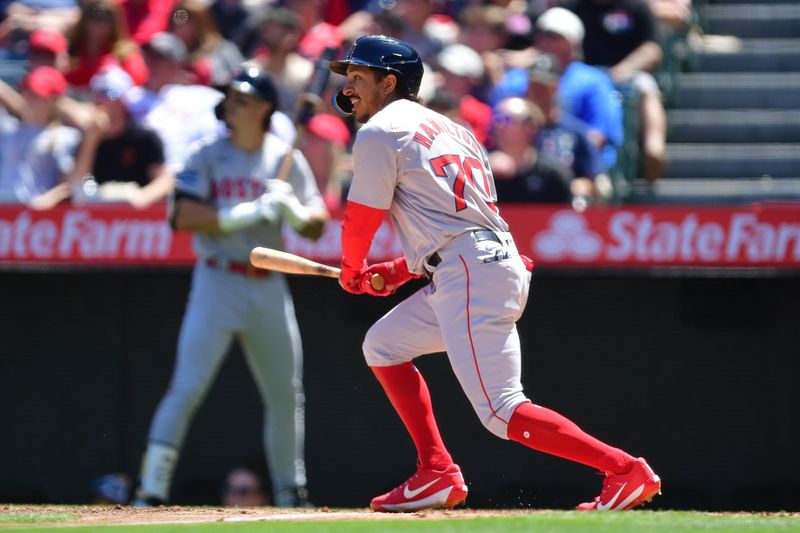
242	109
366	92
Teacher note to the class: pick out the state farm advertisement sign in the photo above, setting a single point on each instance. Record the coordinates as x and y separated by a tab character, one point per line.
753	236
750	236
92	234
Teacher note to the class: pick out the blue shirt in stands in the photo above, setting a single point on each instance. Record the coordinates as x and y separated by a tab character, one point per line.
567	142
585	92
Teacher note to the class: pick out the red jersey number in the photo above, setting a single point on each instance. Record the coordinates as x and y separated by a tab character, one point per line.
465	172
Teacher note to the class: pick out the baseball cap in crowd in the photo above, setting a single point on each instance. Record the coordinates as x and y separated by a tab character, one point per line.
318	38
45	82
329	127
111	82
545	69
168	45
48	39
461	60
562	22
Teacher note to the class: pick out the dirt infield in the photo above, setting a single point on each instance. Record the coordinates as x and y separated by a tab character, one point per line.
121	514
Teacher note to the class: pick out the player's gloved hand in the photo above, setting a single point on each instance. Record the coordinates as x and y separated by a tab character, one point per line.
351	279
246	214
528	262
395	274
290	207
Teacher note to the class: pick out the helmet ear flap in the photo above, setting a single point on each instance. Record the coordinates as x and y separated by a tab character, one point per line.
342	104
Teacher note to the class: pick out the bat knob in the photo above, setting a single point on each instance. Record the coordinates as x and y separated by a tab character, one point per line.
378	282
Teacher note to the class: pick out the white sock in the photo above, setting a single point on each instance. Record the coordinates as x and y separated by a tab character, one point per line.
158	465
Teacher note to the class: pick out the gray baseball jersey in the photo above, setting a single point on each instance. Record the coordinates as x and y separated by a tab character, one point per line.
431	173
435	179
221	174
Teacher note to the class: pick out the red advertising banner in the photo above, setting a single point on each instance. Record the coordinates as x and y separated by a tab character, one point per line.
643	236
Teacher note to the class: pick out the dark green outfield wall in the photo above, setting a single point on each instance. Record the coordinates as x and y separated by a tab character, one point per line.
699	375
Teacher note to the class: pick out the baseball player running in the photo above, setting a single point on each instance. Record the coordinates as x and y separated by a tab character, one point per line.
227	196
434	178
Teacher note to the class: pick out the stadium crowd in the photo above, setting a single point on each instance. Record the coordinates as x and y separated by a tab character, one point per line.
115	91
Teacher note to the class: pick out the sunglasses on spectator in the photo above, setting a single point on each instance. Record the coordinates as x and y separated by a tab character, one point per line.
504	119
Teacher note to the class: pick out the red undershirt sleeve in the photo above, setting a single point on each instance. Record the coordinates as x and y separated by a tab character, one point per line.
359	224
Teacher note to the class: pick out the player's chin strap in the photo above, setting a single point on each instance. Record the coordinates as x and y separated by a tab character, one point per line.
342	104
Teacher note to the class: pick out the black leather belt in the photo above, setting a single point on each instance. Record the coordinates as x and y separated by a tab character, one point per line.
480	235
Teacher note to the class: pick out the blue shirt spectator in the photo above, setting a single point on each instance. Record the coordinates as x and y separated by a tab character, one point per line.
584	91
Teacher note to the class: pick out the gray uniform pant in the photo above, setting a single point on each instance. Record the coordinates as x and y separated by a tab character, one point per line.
259	313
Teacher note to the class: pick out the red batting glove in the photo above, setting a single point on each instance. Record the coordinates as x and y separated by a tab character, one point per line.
351	280
528	262
395	274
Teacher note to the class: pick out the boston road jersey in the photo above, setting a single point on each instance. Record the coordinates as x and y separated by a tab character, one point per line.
222	175
431	174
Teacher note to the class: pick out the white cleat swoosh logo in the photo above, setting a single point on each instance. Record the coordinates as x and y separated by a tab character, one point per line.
610	505
409	494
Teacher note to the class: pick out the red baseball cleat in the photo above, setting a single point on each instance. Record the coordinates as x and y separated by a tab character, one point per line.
426	489
625	491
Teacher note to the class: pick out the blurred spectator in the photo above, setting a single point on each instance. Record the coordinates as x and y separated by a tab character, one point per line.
243	488
317	33
37	154
622	36
444	102
324	145
212	58
100	39
128	160
563	137
111	489
279	35
145	18
584	91
673	14
180	114
48	47
23	17
520	174
462	72
483	28
414	14
234	22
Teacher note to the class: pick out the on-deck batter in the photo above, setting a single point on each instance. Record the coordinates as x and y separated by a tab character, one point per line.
221	196
434	178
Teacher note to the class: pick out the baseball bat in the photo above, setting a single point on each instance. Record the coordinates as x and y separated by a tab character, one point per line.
270	259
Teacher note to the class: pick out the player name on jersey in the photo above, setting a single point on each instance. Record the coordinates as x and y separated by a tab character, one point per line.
749	236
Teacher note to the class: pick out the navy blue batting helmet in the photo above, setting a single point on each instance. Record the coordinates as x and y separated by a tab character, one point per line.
382	53
252	80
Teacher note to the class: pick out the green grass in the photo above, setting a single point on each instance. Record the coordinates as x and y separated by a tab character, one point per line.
34	518
538	522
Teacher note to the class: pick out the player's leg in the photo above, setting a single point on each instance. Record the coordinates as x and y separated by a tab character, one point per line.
205	336
273	351
483	346
407	331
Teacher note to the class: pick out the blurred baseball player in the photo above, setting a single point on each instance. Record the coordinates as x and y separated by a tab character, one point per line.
227	194
434	178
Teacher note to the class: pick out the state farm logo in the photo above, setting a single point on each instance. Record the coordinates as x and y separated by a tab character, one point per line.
669	237
79	236
568	237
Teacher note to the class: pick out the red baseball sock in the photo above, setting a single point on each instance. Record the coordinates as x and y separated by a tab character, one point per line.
547	431
409	394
